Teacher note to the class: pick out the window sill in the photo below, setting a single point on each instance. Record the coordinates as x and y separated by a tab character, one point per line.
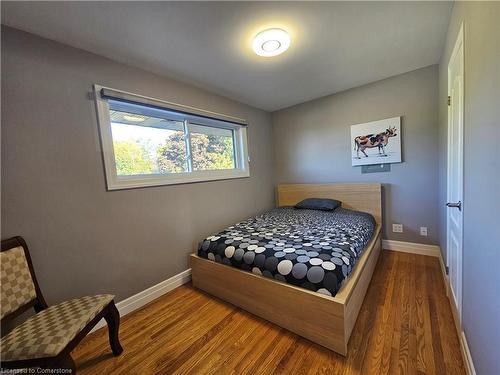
133	182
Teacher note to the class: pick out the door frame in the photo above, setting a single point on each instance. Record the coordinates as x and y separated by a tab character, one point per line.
458	52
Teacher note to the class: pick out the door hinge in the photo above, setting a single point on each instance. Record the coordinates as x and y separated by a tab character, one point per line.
449	100
447	269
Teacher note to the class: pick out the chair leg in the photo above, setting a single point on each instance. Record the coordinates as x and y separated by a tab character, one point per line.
113	319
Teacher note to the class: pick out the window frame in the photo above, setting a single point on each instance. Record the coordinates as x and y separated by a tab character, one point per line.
115	182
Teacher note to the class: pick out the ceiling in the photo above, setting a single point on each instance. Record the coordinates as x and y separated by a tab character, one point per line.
335	45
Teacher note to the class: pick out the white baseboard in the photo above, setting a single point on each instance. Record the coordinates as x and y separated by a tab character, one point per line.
469	365
464	347
142	298
411	247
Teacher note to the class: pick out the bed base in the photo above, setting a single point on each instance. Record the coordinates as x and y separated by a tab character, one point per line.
325	320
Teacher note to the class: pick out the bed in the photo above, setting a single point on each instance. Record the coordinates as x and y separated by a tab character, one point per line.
320	303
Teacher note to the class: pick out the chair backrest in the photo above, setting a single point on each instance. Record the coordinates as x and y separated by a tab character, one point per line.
19	287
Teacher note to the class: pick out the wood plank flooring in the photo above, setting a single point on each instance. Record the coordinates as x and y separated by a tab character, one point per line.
405	326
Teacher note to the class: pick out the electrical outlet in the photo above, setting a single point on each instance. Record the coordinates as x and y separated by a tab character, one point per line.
397	228
423	231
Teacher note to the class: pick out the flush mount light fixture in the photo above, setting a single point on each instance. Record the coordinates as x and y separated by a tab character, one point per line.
271	42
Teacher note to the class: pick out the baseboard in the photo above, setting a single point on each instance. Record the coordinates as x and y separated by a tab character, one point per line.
411	247
464	347
469	365
142	298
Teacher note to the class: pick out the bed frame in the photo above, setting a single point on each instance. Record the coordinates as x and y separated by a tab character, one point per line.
325	320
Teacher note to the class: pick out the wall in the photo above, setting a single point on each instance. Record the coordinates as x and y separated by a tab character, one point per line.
84	239
481	249
312	145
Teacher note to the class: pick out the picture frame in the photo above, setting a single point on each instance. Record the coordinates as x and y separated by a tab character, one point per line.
376	142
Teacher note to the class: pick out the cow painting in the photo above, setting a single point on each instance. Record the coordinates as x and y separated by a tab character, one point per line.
376	142
380	140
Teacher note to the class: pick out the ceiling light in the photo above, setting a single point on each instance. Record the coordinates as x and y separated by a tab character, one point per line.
271	42
133	118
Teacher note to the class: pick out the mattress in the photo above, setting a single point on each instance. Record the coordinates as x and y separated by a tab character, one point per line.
312	249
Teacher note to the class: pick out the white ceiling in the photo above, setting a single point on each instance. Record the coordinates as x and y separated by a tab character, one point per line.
335	45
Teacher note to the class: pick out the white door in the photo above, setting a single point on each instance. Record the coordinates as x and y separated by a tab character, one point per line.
455	170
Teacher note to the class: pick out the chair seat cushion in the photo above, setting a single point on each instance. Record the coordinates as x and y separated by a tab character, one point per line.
47	333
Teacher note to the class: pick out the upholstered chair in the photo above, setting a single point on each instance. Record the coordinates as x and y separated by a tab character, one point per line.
45	339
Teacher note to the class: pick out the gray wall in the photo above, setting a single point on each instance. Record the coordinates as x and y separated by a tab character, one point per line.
312	145
84	239
481	250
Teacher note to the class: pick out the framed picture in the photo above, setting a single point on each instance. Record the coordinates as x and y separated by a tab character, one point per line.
376	142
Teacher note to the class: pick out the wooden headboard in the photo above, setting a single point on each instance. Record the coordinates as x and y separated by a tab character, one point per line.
362	197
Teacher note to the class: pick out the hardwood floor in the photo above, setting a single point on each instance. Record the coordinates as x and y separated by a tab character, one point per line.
405	326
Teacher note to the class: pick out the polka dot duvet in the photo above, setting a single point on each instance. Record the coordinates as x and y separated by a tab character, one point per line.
312	249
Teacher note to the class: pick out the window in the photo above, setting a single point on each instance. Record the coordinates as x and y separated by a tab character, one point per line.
147	142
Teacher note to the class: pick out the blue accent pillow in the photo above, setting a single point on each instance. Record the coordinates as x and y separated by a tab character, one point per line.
322	204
